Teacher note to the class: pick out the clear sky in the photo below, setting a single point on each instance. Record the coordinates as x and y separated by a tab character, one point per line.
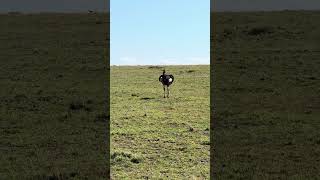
150	32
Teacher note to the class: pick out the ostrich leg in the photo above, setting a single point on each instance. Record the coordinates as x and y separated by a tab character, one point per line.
168	91
164	91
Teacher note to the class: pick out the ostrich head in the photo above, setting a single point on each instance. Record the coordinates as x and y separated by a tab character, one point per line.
164	71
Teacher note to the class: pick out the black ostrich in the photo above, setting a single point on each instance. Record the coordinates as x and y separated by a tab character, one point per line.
166	80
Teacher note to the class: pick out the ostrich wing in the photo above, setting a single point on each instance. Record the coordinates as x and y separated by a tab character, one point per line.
172	77
160	78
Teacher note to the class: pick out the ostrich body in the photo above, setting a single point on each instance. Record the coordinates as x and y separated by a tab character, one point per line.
166	80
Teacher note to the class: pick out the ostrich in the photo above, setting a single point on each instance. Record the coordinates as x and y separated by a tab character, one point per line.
166	80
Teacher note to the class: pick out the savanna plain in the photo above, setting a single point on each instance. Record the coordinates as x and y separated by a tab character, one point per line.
53	113
265	95
265	99
160	138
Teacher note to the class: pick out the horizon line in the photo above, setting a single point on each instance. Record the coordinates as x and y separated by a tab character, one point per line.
108	10
267	10
56	12
157	64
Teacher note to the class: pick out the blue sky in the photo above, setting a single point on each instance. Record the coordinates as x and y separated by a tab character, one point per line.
149	32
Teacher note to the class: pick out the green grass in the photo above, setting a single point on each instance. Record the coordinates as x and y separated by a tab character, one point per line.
266	95
52	98
265	91
155	137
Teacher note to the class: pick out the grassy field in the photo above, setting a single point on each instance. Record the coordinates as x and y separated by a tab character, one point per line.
52	97
266	95
160	138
